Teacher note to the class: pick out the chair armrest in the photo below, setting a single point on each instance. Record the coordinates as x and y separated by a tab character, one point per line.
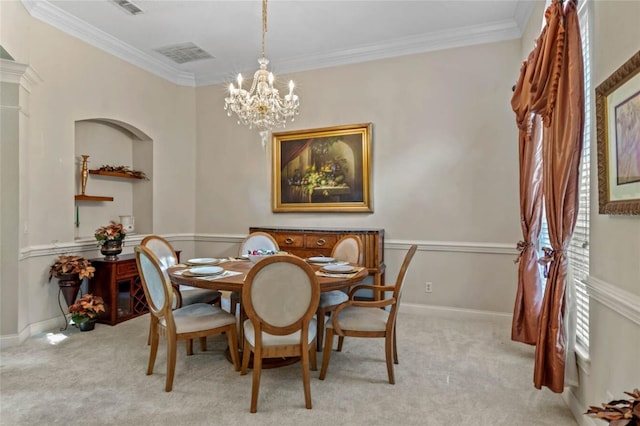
369	287
361	303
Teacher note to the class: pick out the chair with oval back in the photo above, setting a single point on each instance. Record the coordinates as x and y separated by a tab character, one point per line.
280	297
187	323
185	295
348	249
366	319
254	241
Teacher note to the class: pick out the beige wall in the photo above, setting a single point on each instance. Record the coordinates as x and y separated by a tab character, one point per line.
81	82
444	165
615	240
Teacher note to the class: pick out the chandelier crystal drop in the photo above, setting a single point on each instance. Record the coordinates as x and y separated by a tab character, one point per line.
261	106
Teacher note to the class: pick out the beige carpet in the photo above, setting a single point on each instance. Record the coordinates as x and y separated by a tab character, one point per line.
451	372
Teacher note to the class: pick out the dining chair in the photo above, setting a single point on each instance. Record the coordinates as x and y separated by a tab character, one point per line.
184	295
366	319
348	249
280	297
254	241
198	320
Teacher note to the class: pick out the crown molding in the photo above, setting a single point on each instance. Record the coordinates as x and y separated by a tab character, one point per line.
58	18
466	36
17	73
440	40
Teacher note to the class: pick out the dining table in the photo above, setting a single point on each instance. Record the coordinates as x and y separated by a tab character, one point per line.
235	271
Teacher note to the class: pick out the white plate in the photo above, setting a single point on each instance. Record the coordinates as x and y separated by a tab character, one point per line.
203	261
321	259
338	268
205	270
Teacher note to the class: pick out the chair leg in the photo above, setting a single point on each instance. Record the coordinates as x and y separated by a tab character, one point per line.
305	377
153	351
171	362
340	342
189	344
257	371
233	346
388	346
395	346
328	345
320	317
203	344
246	354
313	356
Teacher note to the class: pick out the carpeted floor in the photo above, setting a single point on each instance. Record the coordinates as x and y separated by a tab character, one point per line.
451	372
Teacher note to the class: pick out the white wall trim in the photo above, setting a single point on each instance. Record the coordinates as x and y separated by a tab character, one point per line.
453	313
16	73
618	300
577	409
58	18
89	244
30	330
490	32
453	246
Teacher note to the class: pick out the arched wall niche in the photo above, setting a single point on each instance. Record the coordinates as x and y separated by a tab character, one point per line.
115	143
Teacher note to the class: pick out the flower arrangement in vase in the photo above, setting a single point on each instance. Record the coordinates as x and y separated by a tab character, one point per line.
110	239
85	311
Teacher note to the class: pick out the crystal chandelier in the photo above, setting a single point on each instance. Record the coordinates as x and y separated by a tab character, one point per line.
261	107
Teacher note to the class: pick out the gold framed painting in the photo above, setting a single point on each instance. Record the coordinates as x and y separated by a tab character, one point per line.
618	127
322	170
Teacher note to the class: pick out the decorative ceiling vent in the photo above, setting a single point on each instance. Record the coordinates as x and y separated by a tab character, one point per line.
184	52
128	6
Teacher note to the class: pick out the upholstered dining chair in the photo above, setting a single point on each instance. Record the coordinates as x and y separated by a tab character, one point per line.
184	295
187	323
254	241
280	297
366	319
348	249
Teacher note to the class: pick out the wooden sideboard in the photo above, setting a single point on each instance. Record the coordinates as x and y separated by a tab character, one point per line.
118	283
307	242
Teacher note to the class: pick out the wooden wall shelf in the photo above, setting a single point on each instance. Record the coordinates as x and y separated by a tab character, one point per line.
114	174
92	198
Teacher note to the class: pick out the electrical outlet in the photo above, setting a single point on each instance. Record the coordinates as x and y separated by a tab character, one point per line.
428	287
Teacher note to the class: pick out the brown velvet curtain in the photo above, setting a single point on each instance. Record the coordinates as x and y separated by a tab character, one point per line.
553	89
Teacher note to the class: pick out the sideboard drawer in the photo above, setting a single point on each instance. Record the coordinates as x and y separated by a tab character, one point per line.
289	240
125	269
314	241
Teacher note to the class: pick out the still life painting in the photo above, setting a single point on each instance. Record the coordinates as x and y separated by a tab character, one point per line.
325	169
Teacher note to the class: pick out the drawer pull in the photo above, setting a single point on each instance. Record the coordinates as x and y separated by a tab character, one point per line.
289	240
321	242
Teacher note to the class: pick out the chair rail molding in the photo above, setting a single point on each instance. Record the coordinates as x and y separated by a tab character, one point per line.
618	300
88	244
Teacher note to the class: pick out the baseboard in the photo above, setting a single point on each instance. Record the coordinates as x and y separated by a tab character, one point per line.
11	340
453	313
577	409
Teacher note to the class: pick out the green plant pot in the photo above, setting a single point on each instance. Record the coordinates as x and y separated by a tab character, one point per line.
87	325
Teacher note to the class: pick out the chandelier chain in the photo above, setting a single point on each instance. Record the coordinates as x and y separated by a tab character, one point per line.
264	23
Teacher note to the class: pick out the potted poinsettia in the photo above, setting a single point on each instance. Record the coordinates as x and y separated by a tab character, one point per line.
85	311
110	239
70	271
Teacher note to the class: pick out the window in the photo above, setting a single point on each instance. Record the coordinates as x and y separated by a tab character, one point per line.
579	247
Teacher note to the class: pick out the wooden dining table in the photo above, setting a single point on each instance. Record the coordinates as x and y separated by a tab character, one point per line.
241	268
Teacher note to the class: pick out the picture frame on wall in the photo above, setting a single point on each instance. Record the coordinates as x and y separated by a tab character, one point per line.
322	170
618	132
